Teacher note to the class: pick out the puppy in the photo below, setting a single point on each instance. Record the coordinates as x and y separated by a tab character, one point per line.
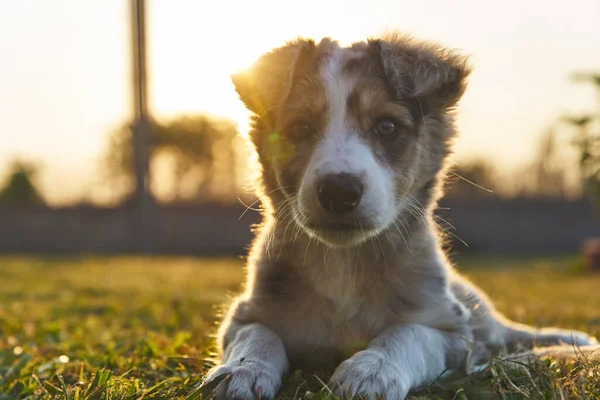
347	269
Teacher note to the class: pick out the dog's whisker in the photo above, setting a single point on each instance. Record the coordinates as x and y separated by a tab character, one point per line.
444	221
382	252
306	252
281	213
290	221
446	231
258	199
408	246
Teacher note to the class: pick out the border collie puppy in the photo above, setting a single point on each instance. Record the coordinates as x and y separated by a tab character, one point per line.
347	271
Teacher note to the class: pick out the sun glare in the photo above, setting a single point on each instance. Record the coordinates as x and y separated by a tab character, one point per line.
197	79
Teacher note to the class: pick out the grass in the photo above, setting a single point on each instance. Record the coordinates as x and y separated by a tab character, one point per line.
140	328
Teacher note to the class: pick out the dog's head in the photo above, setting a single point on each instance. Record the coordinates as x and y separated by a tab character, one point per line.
349	138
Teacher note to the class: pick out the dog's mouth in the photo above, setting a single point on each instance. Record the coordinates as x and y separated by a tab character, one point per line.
335	226
340	233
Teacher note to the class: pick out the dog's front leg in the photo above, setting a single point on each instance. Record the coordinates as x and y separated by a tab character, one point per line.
253	363
402	358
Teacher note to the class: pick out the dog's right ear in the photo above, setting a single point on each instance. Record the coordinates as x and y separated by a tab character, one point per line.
267	83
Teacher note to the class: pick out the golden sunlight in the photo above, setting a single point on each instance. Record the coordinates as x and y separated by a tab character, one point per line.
233	45
523	52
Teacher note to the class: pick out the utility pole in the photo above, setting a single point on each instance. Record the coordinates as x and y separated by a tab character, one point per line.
143	214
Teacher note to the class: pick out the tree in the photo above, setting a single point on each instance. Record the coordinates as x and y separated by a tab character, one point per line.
194	153
546	175
19	188
587	139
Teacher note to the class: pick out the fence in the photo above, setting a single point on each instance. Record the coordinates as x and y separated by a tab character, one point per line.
487	225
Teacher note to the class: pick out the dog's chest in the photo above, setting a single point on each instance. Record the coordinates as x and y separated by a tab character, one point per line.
322	333
328	306
332	320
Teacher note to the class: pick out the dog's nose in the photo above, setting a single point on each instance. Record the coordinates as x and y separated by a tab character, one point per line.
340	193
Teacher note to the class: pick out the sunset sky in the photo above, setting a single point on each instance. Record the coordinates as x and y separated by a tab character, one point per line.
65	68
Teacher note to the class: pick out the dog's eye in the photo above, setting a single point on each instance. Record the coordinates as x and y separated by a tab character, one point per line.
301	129
386	128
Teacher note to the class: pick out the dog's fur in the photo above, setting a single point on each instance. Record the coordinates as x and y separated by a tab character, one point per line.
372	288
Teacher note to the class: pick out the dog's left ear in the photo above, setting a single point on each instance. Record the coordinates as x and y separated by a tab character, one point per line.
267	82
435	75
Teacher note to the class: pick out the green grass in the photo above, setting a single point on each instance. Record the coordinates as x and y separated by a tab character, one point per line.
136	328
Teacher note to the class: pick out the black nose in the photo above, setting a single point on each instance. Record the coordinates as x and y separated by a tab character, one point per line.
340	193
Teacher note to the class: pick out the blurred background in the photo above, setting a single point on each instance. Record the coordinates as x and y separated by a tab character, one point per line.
124	176
122	133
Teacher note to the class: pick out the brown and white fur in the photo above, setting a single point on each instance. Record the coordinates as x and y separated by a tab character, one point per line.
347	269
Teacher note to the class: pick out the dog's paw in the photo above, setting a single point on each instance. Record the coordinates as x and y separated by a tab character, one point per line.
369	374
583	339
551	336
577	338
451	316
246	380
448	315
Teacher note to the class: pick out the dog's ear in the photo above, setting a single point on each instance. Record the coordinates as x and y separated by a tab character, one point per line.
435	75
268	81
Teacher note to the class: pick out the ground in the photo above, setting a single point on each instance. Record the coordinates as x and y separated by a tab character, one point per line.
133	328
